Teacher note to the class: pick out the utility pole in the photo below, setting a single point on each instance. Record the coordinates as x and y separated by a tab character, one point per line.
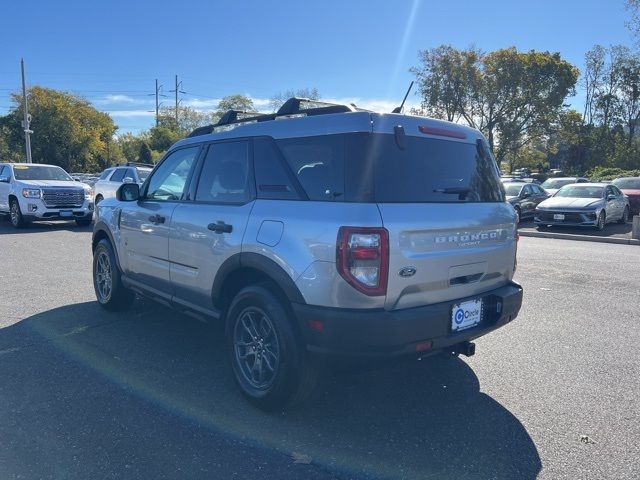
158	95
25	121
177	90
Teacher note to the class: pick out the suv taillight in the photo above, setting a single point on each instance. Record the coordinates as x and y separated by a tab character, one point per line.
362	258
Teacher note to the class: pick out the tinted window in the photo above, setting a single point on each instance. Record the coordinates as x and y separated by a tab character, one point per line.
143	173
272	179
40	172
169	179
118	175
580	191
430	170
105	174
513	190
318	163
130	173
616	191
3	173
225	174
558	182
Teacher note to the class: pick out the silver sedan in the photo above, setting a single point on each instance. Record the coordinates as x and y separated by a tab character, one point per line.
583	205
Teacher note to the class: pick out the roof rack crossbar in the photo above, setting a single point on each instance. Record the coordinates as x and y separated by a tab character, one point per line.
293	106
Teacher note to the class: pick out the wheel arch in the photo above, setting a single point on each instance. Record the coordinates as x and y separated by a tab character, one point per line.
101	232
244	269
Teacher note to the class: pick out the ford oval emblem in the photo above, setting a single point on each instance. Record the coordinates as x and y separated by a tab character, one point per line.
407	271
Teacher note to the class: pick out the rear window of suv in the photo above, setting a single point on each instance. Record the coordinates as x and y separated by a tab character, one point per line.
365	167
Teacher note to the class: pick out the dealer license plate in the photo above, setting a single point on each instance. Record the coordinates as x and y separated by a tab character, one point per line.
466	315
66	213
558	216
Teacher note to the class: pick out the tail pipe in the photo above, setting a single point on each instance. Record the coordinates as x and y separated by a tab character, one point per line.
466	348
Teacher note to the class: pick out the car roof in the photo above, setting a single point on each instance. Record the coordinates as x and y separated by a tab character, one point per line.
33	164
588	184
336	123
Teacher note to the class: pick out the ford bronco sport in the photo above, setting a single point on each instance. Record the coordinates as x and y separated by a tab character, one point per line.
320	230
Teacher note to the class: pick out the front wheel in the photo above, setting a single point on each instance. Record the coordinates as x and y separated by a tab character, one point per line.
269	363
110	292
518	215
625	216
602	221
17	220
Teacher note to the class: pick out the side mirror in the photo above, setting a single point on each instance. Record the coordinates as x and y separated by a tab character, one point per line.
610	197
4	180
128	192
77	179
127	180
525	195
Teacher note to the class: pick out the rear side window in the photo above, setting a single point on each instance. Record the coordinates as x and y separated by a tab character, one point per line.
225	174
118	175
105	174
318	163
273	182
431	170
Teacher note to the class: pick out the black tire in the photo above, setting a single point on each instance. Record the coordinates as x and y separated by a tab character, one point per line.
542	227
17	220
116	297
519	215
602	221
84	222
292	377
625	216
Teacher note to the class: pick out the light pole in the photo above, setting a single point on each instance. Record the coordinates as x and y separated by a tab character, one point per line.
26	119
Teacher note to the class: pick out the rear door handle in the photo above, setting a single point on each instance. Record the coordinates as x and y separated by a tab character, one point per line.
220	227
156	219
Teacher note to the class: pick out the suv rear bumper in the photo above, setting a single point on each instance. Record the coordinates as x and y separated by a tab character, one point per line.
384	333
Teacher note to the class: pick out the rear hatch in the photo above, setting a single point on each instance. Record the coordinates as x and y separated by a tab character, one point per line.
451	233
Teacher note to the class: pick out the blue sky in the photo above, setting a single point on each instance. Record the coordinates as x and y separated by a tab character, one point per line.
111	52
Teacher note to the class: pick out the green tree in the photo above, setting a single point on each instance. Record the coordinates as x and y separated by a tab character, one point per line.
145	155
161	138
130	145
512	97
68	130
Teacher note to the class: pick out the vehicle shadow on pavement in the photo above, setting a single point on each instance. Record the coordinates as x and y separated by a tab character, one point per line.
75	380
41	227
611	229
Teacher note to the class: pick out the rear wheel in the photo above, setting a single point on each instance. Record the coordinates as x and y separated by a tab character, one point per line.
518	215
625	216
270	364
602	221
107	283
17	220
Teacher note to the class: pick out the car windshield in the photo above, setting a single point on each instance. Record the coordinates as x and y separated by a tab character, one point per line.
627	183
580	191
143	173
557	182
512	190
40	172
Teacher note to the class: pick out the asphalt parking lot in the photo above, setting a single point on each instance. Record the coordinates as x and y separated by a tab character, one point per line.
612	230
147	393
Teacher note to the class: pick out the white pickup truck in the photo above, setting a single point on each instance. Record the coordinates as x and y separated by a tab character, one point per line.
31	192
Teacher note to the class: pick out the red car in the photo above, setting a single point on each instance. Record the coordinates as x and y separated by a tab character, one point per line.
630	186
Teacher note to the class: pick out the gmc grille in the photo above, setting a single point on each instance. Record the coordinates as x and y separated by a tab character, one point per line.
63	197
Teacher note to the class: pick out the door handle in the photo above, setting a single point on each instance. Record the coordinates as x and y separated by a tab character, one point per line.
220	227
156	219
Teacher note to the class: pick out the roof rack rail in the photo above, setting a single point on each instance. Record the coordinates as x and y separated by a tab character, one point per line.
293	106
232	117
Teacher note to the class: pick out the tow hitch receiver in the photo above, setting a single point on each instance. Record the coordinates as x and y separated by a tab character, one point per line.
466	348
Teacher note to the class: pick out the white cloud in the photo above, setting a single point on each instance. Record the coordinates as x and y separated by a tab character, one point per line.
113	99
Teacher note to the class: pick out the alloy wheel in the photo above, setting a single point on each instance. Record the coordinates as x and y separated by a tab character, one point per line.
256	348
103	277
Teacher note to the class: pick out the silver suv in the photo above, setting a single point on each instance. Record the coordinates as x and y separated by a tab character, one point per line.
320	232
33	191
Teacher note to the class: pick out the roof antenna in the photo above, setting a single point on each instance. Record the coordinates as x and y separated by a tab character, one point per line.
399	109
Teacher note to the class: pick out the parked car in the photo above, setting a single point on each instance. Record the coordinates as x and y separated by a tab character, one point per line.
331	232
112	178
584	205
31	191
552	185
524	197
630	186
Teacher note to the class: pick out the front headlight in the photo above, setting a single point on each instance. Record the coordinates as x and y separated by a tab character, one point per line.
88	194
31	193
